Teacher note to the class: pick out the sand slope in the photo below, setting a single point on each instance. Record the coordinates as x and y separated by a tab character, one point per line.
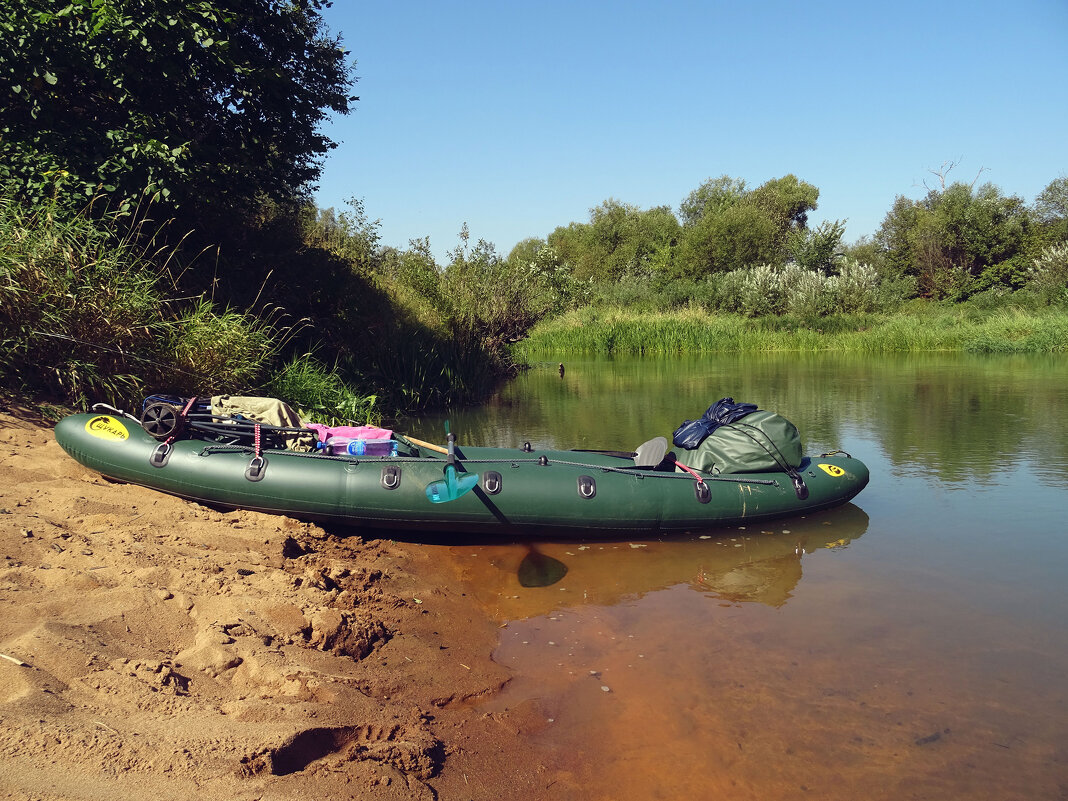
168	650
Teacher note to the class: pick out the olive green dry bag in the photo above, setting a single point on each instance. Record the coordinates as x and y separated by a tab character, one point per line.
759	442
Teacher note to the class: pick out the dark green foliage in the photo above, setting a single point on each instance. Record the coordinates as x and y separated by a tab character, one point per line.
206	107
1051	205
958	240
618	238
735	237
865	251
788	200
713	196
413	269
497	300
395	325
818	249
728	227
1051	215
321	395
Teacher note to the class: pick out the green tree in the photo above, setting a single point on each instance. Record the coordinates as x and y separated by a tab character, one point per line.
729	228
1051	205
206	106
350	235
526	250
820	248
958	240
711	197
788	200
619	239
865	251
732	238
1051	213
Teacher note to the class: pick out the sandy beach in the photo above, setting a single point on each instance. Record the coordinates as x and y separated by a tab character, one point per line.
153	648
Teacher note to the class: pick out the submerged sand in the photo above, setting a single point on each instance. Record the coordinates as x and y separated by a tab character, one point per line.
153	648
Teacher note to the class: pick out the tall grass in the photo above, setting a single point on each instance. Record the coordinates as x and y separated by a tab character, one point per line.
320	394
619	331
90	311
87	314
422	368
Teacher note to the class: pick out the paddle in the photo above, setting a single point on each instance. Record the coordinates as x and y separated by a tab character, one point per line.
452	486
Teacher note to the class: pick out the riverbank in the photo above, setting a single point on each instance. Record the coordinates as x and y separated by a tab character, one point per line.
921	327
153	648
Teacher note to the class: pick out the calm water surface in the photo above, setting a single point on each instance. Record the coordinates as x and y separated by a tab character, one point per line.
912	644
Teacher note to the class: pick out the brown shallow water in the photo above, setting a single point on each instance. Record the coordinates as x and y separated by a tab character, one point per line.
721	672
909	645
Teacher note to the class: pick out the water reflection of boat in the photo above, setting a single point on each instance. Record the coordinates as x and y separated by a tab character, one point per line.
754	564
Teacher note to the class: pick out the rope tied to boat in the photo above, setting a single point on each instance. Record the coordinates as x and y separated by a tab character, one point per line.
800	488
697	476
254	471
541	460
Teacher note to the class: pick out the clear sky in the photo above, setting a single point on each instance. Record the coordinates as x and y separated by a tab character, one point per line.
518	117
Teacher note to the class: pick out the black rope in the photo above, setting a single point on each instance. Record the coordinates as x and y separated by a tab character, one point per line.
210	449
780	460
776	457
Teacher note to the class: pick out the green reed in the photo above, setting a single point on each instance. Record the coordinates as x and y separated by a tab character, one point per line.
88	313
918	328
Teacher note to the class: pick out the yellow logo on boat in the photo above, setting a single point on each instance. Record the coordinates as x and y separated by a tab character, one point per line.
832	470
108	428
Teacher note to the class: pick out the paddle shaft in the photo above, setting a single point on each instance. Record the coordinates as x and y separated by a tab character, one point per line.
429	445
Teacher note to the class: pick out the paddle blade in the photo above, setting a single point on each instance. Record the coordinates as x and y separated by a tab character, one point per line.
451	487
539	570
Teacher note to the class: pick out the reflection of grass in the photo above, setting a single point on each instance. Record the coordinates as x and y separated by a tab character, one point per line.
608	331
432	371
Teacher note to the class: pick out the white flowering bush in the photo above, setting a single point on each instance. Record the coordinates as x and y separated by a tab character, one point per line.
1048	276
857	288
809	293
765	290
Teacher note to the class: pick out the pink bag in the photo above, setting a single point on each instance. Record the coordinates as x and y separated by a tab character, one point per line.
352	432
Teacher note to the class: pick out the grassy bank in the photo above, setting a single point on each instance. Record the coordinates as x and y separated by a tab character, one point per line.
92	312
919	327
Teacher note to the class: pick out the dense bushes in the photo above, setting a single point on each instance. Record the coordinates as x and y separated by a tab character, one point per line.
210	107
89	313
765	290
85	315
1048	276
401	332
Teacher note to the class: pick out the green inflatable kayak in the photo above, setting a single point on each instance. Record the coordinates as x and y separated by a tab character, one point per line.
427	488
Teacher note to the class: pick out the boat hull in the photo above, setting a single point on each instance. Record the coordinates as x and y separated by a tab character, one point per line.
564	493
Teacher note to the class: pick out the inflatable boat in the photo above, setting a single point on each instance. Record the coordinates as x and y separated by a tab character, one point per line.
425	487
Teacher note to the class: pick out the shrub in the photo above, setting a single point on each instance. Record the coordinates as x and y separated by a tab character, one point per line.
809	294
768	290
857	288
321	395
1048	277
84	316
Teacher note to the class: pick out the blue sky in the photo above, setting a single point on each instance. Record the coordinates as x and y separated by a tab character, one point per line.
517	117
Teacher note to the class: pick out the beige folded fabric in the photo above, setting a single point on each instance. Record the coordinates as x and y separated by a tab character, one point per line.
269	411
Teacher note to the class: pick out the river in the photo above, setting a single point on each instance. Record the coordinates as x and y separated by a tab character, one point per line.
912	644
